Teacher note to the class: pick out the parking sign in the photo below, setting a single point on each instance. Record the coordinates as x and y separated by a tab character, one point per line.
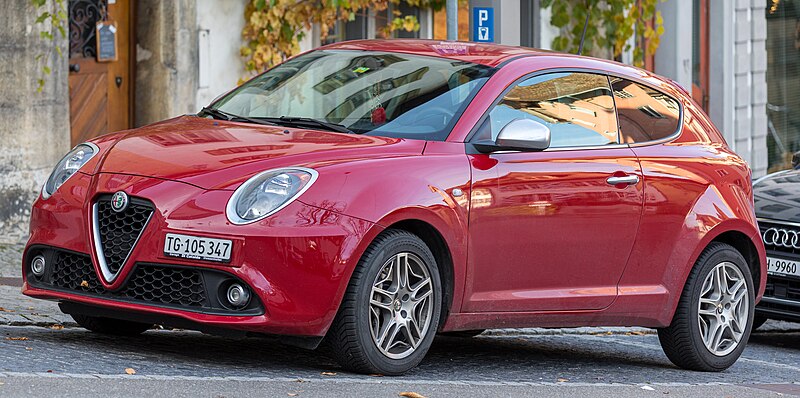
483	24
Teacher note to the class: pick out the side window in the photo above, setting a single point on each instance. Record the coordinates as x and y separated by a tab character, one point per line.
577	107
645	114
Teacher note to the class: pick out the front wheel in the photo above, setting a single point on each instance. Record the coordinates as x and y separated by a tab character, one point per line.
714	317
390	311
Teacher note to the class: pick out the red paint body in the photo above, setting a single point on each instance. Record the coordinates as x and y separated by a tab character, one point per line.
537	239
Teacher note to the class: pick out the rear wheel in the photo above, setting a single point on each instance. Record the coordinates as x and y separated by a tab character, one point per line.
390	312
111	326
714	317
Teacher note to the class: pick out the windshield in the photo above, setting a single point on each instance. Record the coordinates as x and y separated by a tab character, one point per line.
368	92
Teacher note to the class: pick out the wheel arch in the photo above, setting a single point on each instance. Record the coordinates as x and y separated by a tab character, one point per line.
745	246
739	234
441	253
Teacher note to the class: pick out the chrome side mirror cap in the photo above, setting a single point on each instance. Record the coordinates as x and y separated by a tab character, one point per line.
524	134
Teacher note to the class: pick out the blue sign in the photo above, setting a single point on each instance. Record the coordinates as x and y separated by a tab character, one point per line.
483	24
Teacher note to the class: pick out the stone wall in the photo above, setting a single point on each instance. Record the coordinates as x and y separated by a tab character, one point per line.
166	59
34	127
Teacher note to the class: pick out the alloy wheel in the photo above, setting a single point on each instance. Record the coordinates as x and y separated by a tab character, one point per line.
401	305
723	309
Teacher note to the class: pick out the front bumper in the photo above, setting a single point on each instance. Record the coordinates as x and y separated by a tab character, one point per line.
296	263
781	298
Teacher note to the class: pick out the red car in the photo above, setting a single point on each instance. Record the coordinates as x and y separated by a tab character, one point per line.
372	194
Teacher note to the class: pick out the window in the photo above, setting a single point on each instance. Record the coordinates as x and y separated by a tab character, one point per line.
577	107
645	114
369	92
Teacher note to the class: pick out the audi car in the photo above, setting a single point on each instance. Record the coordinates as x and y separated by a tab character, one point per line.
777	201
370	195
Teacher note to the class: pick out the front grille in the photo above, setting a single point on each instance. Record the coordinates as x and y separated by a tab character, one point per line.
148	282
176	286
119	231
187	288
788	249
783	288
73	271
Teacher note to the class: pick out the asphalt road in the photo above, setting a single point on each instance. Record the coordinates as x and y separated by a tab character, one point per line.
38	361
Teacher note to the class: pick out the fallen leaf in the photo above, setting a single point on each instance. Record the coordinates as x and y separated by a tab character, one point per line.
409	394
562	380
84	284
49	371
130	371
329	373
28	348
56	327
17	338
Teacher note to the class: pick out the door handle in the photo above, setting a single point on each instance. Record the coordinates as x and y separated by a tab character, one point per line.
74	68
627	180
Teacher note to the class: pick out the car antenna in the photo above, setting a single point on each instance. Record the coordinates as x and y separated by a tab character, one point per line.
583	35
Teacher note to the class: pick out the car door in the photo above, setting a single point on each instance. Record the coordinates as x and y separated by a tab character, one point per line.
553	229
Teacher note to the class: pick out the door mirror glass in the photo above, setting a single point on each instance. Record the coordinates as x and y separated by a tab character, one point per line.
524	134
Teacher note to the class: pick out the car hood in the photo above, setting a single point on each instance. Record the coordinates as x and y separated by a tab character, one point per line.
215	154
777	196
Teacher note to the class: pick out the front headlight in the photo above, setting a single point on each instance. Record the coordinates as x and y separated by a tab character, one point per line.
267	192
68	166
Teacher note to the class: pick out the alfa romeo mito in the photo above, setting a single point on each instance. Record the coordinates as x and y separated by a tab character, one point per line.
370	195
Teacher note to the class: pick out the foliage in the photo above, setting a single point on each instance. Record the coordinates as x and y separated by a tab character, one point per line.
52	13
274	28
611	24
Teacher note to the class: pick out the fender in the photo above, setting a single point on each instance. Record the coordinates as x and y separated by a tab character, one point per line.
711	215
371	193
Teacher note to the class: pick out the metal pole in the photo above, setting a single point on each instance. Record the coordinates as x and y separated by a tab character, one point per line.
452	19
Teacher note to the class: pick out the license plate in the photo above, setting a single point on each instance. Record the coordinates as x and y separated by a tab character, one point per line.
783	267
198	248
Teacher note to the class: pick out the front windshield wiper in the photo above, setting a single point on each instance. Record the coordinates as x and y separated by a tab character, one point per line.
218	114
307	121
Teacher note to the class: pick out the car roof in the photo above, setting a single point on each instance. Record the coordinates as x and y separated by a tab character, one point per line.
488	54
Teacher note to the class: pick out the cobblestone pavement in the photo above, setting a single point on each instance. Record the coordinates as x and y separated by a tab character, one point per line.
508	360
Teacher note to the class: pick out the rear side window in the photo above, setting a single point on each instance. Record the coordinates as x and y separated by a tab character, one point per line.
577	107
645	114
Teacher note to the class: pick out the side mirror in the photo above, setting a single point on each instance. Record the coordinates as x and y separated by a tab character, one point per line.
524	134
796	160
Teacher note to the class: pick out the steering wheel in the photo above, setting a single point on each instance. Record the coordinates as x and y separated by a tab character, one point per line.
444	115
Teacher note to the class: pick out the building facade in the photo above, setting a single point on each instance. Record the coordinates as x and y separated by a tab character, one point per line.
740	59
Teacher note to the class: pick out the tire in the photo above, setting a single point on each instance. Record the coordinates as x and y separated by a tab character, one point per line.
758	321
115	327
683	340
366	312
465	334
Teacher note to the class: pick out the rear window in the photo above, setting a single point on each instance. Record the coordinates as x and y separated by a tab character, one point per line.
645	114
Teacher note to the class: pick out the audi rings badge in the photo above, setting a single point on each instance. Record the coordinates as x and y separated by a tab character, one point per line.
779	237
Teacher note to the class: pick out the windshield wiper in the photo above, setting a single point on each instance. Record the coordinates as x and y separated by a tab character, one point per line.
307	121
218	114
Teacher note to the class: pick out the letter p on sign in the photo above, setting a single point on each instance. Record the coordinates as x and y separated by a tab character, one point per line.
483	24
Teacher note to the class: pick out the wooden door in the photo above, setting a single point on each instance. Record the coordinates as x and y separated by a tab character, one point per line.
700	53
100	93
